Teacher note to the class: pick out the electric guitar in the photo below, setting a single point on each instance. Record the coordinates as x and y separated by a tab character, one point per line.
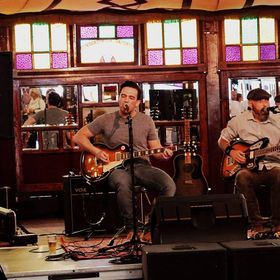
230	167
94	169
188	177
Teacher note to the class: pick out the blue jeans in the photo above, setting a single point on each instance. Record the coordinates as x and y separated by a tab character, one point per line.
145	175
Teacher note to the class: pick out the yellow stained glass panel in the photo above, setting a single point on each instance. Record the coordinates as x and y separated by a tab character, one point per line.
107	31
22	38
58	37
250	53
172	57
232	31
171	34
41	61
189	33
41	39
267	30
154	35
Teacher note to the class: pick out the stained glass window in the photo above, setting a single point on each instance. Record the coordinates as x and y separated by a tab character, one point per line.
172	42
107	44
250	39
41	46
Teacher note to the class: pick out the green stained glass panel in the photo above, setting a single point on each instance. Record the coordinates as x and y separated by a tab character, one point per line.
41	39
172	57
249	30
41	61
250	53
171	34
107	31
232	31
189	33
22	38
154	35
58	37
267	30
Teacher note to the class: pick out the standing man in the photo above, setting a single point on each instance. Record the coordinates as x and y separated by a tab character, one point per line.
251	126
114	129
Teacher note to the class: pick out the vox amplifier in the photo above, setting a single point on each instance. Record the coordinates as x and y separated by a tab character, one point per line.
86	203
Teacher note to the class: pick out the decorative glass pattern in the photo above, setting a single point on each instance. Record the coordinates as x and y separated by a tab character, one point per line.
125	31
233	53
268	52
109	44
41	46
59	60
190	56
155	57
23	61
180	42
258	39
88	32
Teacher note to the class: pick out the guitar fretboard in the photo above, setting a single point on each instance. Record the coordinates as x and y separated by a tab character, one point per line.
262	152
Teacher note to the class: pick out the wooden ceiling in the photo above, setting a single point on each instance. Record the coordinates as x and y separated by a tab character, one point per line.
10	7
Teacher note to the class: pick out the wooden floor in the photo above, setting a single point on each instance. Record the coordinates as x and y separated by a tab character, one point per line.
24	263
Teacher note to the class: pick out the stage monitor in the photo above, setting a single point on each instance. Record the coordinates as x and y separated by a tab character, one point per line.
204	218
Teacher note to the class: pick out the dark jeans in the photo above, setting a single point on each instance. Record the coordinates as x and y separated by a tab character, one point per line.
246	181
150	177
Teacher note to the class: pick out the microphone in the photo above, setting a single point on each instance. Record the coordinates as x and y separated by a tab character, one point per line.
126	108
273	109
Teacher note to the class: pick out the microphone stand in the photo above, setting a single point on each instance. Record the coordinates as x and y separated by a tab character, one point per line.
134	243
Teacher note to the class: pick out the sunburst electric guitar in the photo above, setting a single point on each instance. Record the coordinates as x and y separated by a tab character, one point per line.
95	170
253	152
188	176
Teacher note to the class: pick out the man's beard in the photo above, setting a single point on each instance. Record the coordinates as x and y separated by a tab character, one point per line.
261	115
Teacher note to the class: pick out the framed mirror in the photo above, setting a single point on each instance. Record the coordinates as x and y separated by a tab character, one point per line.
34	99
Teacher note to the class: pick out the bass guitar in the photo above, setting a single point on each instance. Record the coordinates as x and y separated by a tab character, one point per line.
94	169
188	177
253	152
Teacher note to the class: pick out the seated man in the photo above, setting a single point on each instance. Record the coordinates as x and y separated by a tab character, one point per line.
251	126
51	115
114	129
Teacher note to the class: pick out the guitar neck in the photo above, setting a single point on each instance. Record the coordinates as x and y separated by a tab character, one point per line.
262	152
126	155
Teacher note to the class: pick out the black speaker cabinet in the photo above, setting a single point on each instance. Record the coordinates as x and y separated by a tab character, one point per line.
7	197
84	203
184	261
6	95
205	218
253	259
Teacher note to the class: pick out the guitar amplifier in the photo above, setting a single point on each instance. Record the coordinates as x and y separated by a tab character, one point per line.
85	203
203	218
198	261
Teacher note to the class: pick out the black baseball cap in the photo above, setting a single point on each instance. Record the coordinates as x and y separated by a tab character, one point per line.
258	94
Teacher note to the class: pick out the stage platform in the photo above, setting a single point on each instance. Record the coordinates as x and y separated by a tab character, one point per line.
22	264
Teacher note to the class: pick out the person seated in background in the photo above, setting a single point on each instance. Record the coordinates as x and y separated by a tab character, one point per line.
235	107
52	115
252	126
114	129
